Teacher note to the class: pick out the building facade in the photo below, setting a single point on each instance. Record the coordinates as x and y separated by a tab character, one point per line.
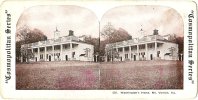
150	47
64	48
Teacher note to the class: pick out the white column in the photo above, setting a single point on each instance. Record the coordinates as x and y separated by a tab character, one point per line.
45	54
53	56
146	52
38	54
123	54
61	53
130	53
71	51
155	54
138	52
96	58
117	50
32	53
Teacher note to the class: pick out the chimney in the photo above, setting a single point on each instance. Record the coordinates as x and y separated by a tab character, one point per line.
155	32
71	33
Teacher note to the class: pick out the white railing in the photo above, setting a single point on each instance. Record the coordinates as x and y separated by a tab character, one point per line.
159	37
52	41
42	42
136	40
35	44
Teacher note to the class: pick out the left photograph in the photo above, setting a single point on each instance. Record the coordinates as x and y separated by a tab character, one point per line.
54	44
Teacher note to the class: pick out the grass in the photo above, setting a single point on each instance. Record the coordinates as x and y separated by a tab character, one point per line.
87	75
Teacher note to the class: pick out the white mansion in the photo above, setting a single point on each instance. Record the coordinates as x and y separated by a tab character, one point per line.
60	48
150	47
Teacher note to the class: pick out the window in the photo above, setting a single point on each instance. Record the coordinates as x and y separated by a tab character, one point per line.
119	49
57	54
41	56
87	52
47	56
143	53
133	48
126	56
150	46
131	55
36	50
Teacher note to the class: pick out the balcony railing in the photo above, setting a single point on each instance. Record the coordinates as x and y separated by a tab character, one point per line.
136	40
52	41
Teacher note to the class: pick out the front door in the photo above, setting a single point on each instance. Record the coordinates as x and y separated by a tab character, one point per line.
66	58
151	56
134	57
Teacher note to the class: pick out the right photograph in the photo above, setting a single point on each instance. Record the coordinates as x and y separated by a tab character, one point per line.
142	48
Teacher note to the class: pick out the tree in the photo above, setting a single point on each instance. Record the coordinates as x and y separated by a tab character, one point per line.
93	41
112	35
108	30
111	53
24	36
172	51
180	42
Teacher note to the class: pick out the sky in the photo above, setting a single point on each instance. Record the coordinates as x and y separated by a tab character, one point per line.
84	21
46	18
147	18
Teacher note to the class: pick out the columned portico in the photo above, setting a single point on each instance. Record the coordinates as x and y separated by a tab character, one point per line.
59	48
151	47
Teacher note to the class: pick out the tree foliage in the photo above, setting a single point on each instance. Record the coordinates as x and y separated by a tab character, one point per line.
180	42
93	41
112	35
24	35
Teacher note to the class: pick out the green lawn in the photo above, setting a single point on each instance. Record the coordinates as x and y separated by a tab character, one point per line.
89	75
